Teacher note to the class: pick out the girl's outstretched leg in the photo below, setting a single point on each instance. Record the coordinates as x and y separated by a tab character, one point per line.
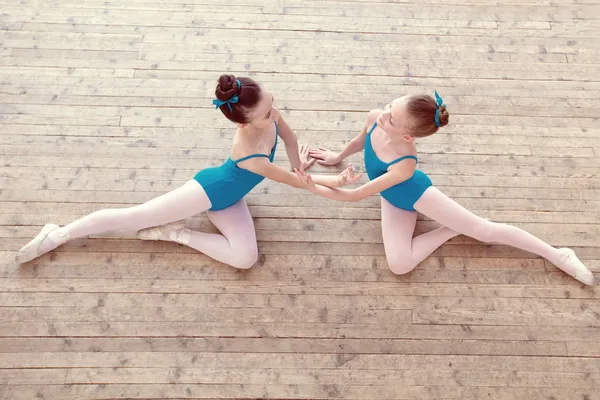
439	207
183	202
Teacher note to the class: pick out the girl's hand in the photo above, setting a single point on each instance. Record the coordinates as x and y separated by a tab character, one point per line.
347	176
306	180
305	159
325	157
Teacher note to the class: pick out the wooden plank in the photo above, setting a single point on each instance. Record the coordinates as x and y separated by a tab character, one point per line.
315	391
83	54
23	288
408	11
301	376
25	72
507	311
585	59
562	152
193	315
71	266
357	354
314	330
323	362
120	301
415	36
329	268
460	33
579	349
354	3
51	40
490	312
52	119
370	23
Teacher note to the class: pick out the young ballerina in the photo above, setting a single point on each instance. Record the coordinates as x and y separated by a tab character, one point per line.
219	190
390	160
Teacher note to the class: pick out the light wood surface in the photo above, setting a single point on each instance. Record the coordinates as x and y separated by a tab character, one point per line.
108	104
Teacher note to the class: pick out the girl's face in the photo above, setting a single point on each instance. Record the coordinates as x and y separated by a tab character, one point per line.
265	111
395	119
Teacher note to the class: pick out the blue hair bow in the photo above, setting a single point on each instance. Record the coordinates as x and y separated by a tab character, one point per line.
439	102
218	103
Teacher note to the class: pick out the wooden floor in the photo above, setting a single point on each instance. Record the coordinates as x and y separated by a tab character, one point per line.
106	104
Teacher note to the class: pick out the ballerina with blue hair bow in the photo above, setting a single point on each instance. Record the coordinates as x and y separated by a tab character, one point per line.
388	139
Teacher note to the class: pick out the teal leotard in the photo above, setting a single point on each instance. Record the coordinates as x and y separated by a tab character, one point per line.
403	195
226	184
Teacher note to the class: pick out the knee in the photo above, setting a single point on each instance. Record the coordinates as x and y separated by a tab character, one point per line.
245	258
400	265
485	232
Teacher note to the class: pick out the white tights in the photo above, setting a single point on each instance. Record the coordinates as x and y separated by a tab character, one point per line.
404	252
236	246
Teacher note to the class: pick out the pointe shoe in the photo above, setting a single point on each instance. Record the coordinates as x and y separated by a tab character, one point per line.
31	250
166	232
574	267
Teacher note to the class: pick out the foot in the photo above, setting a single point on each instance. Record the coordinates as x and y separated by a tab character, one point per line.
574	267
169	232
34	249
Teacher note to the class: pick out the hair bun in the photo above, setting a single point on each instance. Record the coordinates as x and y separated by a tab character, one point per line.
444	116
226	88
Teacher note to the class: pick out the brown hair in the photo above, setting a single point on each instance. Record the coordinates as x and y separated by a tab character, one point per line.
422	109
248	93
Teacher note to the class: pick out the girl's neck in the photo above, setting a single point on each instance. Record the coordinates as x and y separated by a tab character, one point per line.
395	141
251	131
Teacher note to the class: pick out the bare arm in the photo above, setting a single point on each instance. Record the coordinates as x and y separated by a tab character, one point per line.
291	146
397	174
328	157
262	166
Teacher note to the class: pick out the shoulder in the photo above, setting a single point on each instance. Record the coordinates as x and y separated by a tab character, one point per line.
240	147
372	117
405	166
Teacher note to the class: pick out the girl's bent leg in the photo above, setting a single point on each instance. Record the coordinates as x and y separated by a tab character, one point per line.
403	252
236	246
